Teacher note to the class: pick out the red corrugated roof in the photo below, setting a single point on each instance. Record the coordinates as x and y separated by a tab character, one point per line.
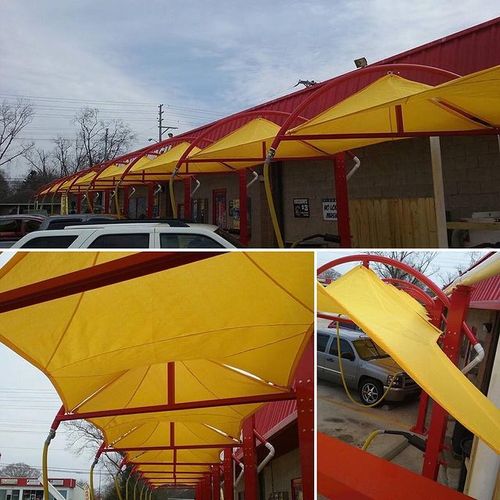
486	294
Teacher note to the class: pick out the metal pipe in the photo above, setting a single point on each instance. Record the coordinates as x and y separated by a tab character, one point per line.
357	164
269	456
45	451
255	178
242	471
198	184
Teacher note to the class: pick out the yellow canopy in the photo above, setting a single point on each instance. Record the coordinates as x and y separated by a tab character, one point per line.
383	312
468	103
252	140
234	325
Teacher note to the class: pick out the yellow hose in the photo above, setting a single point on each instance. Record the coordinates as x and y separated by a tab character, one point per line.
117	487
142	489
91	481
371	437
342	376
135	488
45	472
172	195
126	486
270	204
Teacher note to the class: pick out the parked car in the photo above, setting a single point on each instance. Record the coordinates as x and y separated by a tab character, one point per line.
367	368
14	227
61	221
128	235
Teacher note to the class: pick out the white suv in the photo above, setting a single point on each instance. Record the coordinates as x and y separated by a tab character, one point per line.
130	235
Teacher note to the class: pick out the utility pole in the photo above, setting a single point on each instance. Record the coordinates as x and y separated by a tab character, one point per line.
161	127
160	122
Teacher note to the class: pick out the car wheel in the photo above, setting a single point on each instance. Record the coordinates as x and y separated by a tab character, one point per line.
370	391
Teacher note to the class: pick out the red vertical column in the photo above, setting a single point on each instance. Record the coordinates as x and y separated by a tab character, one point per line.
126	193
243	208
457	312
305	416
228	475
197	492
250	459
151	201
105	201
216	482
342	197
79	203
208	487
187	198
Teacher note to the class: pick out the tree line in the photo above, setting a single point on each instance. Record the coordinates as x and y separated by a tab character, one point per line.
95	140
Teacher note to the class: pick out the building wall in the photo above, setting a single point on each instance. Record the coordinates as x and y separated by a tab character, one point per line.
276	477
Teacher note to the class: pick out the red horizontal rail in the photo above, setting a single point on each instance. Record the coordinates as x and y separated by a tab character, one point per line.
140	464
189	405
108	273
175	447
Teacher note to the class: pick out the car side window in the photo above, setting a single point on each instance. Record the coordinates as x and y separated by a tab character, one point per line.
345	347
62	223
126	240
31	225
50	242
186	240
10	225
322	341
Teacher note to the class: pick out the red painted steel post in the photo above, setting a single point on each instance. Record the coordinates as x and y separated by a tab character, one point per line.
79	203
197	492
216	482
187	198
126	193
342	197
457	312
105	202
250	460
305	416
436	319
243	208
151	201
228	474
208	487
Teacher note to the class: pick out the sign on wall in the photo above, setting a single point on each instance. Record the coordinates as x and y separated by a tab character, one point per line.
301	208
329	209
234	214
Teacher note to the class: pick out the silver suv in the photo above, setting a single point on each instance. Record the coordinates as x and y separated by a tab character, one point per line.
367	368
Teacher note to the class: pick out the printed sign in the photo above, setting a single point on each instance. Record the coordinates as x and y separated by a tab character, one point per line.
301	208
8	481
329	209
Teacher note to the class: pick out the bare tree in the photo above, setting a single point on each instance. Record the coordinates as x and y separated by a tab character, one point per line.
64	158
13	119
421	261
19	469
101	140
41	162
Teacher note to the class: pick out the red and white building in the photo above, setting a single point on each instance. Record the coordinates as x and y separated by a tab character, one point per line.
25	488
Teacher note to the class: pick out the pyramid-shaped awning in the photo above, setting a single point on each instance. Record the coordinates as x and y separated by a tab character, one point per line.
215	327
470	103
399	324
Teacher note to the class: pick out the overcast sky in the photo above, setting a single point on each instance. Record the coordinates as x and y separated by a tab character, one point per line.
201	59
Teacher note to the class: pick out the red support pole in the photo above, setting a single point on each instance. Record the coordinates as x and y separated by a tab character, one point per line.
187	198
250	459
228	474
151	201
105	202
126	192
207	488
305	416
79	203
457	312
243	208
342	197
216	483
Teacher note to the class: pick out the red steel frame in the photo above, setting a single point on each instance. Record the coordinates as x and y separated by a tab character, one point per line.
457	308
141	264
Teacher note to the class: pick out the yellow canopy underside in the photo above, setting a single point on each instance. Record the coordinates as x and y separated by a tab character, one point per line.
424	109
230	323
382	311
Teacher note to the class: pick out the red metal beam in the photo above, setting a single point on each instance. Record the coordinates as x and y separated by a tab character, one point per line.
189	405
140	464
228	474
177	447
457	312
304	377
108	273
342	197
339	466
250	459
243	207
216	483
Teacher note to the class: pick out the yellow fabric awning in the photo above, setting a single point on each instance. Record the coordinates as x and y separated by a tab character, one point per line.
234	325
252	140
464	104
383	313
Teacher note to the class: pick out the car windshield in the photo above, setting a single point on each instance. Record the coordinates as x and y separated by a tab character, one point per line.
368	350
229	237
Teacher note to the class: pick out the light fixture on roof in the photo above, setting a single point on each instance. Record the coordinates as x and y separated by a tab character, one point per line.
361	62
